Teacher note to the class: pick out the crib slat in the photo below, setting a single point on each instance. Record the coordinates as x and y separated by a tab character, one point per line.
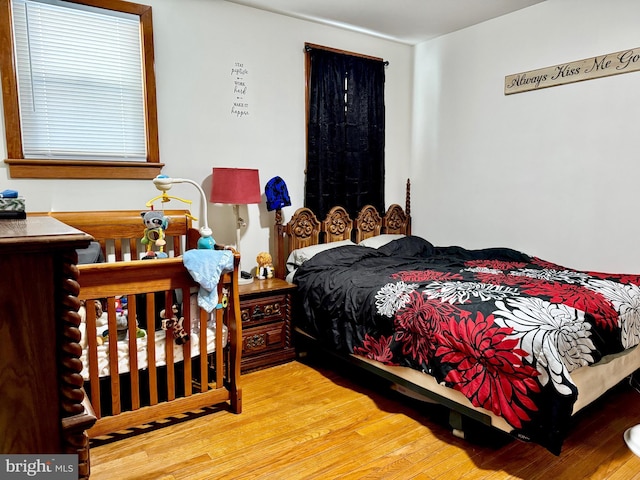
176	245
186	313
204	364
168	348
219	322
117	246
133	352
133	248
103	247
113	356
170	368
151	349
92	354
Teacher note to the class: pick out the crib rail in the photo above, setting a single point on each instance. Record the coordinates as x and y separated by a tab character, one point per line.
150	392
119	232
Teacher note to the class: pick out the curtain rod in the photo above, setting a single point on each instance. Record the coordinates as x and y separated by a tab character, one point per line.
308	47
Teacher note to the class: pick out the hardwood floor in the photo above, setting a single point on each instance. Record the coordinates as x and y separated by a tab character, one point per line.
303	421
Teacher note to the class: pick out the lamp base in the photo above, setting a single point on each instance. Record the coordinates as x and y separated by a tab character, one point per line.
245	277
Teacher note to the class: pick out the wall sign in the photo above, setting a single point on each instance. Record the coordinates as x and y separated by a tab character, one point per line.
588	69
240	105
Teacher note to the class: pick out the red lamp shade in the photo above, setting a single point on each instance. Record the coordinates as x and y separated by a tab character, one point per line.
237	186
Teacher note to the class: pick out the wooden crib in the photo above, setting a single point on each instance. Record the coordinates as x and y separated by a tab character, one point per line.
161	378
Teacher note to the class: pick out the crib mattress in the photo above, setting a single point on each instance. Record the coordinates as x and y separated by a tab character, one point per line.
161	337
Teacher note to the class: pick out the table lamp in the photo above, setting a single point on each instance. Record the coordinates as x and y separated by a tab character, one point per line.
235	186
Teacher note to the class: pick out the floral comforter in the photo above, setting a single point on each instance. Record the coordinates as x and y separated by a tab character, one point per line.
503	328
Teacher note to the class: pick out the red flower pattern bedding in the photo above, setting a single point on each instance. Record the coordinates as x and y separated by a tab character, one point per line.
503	328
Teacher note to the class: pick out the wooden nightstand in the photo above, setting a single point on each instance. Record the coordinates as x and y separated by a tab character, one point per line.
265	307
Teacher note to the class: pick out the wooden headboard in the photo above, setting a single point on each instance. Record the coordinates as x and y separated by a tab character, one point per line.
304	229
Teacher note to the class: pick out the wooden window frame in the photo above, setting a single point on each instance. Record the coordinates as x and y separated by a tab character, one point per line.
20	167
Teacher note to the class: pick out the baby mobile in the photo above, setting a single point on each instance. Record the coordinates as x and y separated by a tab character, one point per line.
156	223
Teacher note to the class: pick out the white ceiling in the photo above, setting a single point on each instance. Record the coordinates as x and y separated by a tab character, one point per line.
406	21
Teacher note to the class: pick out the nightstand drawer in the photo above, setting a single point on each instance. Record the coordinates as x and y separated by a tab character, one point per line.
266	337
266	309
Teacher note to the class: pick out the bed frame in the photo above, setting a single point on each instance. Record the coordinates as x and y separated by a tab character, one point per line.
141	396
305	229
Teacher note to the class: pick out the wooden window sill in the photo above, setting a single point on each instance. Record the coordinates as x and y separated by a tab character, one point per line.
19	168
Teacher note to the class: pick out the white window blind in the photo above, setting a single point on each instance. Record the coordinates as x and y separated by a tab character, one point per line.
80	82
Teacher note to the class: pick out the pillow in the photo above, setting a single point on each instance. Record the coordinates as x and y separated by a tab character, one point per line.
300	255
409	246
380	240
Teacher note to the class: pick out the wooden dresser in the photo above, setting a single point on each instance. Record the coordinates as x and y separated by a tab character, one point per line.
265	307
42	406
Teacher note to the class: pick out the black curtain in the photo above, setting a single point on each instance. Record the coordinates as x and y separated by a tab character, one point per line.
346	133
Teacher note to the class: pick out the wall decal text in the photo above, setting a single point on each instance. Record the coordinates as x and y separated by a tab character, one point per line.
587	69
240	106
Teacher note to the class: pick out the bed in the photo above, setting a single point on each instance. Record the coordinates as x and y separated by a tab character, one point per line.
141	330
497	336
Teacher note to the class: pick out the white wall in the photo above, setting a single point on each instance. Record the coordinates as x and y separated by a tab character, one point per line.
197	42
552	172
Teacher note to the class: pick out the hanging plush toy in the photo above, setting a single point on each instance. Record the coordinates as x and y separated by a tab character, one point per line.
155	224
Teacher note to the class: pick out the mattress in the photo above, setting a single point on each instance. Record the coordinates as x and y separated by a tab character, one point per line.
161	338
510	333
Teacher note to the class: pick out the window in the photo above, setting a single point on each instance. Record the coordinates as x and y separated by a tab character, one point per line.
345	130
79	96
